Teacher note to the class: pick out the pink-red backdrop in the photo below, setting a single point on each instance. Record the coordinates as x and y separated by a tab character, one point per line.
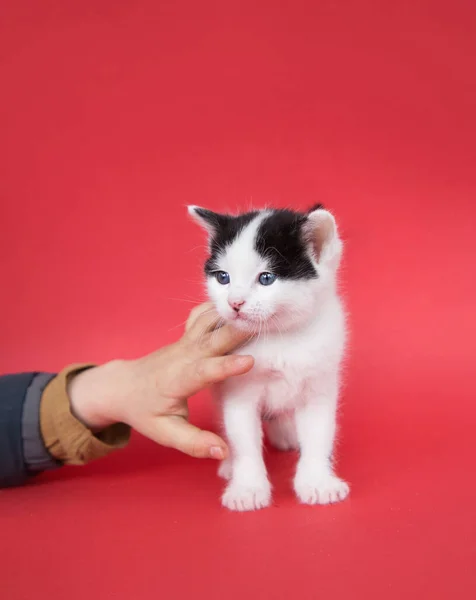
113	116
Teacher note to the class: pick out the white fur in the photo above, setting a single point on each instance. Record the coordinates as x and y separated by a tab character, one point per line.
298	346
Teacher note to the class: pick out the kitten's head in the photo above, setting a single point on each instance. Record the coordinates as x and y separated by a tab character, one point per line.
270	268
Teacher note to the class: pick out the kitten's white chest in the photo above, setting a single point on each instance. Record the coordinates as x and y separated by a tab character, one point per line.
278	358
285	364
283	368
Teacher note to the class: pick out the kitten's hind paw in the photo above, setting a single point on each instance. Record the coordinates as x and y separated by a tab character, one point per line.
322	490
242	498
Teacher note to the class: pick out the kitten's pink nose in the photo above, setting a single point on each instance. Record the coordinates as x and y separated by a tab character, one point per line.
236	304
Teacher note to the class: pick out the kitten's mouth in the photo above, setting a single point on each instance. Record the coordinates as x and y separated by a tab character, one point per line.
245	319
240	319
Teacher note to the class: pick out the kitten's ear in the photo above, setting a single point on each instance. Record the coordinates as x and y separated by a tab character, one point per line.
315	207
321	232
207	219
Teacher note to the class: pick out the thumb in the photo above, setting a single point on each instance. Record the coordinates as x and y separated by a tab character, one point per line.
213	370
176	432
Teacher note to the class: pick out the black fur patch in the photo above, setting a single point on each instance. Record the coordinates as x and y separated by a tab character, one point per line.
280	240
227	228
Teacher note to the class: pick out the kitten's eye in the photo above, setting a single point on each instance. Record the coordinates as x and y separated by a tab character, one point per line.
222	277
267	278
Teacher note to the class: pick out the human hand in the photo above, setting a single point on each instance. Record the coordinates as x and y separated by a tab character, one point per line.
150	394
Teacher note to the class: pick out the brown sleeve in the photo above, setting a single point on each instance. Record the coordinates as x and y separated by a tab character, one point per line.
66	438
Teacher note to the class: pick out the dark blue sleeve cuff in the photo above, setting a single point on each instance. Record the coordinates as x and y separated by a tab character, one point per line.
35	455
14	391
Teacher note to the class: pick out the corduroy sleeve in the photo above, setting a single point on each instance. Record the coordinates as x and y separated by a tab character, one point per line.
68	440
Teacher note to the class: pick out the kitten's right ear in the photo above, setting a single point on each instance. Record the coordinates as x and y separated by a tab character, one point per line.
207	219
321	231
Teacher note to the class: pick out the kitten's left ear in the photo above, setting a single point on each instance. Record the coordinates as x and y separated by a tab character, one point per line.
321	232
207	219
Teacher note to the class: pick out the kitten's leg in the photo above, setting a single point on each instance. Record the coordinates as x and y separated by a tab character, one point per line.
281	432
315	481
225	468
249	488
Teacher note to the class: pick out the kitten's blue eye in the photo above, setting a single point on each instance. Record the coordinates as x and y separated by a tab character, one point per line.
267	278
222	277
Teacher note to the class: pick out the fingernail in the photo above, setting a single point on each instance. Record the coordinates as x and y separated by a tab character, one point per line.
217	453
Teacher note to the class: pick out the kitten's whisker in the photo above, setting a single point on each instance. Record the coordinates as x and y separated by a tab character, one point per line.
271	248
276	322
220	323
202	246
182	324
209	310
186	300
210	329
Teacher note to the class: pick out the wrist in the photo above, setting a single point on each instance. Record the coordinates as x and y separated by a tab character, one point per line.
89	393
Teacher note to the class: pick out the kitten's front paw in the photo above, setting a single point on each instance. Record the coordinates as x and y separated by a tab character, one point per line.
245	497
325	489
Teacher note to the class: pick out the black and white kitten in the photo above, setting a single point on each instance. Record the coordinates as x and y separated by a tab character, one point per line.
273	272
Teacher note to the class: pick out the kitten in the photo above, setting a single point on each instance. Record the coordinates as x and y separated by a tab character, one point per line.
273	273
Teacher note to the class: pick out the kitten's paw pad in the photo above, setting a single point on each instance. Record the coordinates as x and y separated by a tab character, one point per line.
225	469
326	490
240	497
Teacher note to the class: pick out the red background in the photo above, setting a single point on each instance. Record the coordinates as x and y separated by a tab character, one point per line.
113	116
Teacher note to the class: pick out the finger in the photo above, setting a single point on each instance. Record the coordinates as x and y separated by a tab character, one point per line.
206	321
207	371
176	432
225	339
196	312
